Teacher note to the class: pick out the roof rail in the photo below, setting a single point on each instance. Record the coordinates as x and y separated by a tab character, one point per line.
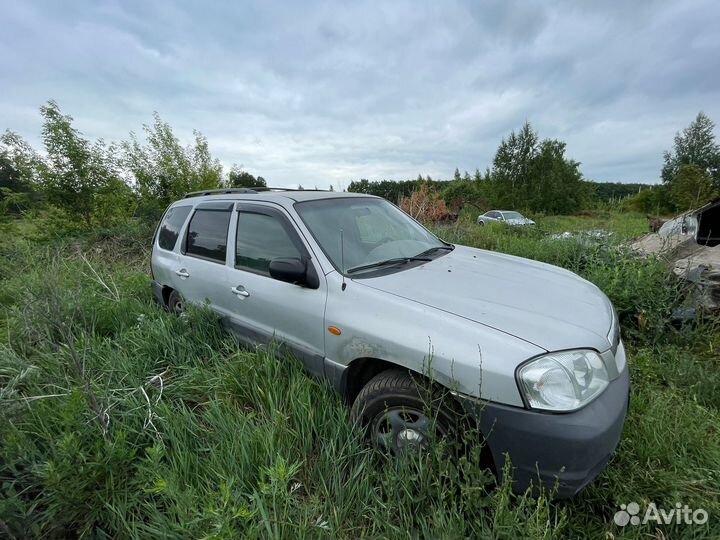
220	191
285	189
244	190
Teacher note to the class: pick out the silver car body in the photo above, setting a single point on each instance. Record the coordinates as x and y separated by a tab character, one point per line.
469	318
504	216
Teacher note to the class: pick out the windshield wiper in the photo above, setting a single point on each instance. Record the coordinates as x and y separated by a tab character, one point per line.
434	249
395	260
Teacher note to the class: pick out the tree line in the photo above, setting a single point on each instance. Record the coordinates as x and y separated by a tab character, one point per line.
536	176
526	174
93	183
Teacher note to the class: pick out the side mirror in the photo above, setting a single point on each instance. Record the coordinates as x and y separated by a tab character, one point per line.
294	270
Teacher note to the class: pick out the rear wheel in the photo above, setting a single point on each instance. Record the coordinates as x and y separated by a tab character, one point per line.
396	417
176	303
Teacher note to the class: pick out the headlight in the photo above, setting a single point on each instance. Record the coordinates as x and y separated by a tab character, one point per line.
563	381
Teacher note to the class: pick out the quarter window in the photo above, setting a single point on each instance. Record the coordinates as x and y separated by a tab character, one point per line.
260	239
171	225
207	234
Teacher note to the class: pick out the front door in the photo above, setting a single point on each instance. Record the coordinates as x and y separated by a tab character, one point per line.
261	308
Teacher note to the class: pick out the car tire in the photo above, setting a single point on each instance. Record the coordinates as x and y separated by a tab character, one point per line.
176	303
481	223
392	408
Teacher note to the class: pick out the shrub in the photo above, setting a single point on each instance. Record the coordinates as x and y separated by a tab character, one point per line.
425	204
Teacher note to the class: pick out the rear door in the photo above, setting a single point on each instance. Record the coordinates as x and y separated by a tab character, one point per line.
201	271
261	308
165	253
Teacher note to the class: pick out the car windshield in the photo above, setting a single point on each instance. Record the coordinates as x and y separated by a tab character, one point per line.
513	215
373	231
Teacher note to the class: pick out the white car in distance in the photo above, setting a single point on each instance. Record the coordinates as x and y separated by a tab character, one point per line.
510	217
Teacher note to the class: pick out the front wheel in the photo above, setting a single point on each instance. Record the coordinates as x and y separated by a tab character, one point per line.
176	303
481	223
396	417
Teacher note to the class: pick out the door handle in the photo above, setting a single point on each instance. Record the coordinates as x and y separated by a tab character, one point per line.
182	273
240	291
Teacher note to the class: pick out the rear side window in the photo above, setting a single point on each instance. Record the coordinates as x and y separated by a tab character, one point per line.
171	225
260	239
207	234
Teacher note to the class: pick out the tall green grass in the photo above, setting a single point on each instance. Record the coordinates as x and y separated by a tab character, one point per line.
118	420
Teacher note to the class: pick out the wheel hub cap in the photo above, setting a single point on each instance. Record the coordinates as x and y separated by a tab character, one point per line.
410	438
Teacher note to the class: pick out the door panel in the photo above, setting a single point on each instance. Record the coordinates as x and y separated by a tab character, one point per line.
261	308
275	309
165	253
204	282
201	269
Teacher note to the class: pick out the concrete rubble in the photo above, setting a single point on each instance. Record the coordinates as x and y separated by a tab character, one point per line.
691	243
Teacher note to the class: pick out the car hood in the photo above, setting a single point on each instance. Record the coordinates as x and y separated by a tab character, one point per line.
543	304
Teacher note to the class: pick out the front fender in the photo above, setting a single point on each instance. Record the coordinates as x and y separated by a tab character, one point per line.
460	354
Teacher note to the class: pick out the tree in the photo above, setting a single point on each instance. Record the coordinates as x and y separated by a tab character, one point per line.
19	174
457	195
163	170
695	145
75	170
556	183
391	190
652	200
12	189
612	191
535	175
515	154
360	186
238	178
512	165
457	176
691	187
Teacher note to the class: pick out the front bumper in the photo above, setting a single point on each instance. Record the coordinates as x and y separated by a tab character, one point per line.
546	449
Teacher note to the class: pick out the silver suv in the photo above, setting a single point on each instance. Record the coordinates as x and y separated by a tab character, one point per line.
371	300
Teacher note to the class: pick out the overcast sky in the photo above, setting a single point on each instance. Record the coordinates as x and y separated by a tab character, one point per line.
325	92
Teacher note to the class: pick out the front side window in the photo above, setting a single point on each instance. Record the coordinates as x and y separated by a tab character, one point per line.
207	234
373	231
260	239
171	225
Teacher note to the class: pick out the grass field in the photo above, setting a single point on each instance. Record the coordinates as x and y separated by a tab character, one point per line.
118	420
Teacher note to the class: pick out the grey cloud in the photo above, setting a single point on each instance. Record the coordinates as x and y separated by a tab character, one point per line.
319	93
